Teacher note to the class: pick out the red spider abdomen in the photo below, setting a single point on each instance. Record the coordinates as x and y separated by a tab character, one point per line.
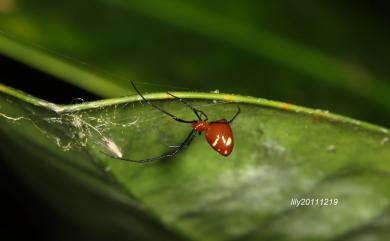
220	136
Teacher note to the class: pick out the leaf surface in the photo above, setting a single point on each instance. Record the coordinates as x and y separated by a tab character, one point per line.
282	152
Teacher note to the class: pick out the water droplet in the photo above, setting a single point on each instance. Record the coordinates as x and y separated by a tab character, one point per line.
384	140
331	148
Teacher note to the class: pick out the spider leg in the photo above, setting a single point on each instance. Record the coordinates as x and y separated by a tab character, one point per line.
235	115
159	108
170	153
196	111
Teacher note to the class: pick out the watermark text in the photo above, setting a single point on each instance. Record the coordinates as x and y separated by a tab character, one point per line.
296	202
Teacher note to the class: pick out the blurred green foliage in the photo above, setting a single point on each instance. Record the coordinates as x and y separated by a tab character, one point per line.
318	54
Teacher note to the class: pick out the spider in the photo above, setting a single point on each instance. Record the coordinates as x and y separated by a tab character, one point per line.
218	133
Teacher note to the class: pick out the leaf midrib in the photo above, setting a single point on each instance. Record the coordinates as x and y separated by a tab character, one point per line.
282	106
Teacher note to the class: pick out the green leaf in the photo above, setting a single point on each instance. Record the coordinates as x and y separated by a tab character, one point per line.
281	152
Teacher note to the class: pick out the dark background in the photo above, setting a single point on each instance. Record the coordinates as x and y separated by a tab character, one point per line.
180	51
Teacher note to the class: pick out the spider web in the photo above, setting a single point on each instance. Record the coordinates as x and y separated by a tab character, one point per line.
120	131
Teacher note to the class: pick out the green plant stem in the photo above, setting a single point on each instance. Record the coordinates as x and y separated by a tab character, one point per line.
321	114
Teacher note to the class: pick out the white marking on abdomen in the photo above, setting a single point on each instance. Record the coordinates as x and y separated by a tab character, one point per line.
229	141
216	141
